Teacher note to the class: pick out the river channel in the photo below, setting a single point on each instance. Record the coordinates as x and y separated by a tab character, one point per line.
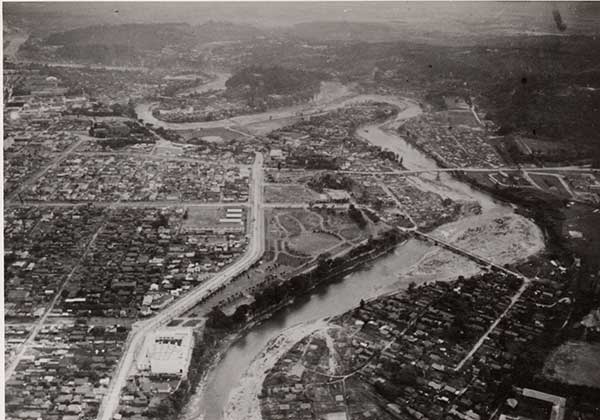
375	279
383	275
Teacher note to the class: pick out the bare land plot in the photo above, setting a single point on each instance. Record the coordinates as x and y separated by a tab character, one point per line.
461	117
222	133
575	363
289	193
200	217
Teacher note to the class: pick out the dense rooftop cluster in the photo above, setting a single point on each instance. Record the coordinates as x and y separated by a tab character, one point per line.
327	141
66	374
403	353
42	246
142	259
452	142
28	147
86	177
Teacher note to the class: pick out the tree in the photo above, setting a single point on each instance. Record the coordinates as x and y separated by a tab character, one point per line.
356	215
411	286
240	313
216	318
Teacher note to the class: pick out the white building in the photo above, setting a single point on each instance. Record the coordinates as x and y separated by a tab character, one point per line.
167	351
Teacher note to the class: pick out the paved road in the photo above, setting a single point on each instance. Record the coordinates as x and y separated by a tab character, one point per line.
134	343
131	204
513	300
10	369
471	169
484	337
62	156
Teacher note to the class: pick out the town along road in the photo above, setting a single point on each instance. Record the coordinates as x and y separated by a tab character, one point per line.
140	329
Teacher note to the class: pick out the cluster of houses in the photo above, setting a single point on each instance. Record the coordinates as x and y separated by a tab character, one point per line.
66	373
413	349
426	208
453	146
327	141
84	177
143	259
30	145
42	247
586	186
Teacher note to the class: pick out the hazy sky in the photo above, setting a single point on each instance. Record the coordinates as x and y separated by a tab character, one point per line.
579	16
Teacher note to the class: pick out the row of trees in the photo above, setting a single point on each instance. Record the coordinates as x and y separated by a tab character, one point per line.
275	294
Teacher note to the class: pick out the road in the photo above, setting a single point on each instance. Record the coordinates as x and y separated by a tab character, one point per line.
473	169
484	337
140	329
513	300
62	156
132	204
10	369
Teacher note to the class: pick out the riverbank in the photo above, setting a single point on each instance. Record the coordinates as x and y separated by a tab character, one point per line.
244	404
229	339
415	260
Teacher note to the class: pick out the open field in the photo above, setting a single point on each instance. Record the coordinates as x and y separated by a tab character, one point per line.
290	224
203	217
312	243
208	134
575	363
289	193
460	117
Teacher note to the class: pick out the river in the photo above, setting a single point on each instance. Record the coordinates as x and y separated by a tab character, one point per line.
378	277
326	301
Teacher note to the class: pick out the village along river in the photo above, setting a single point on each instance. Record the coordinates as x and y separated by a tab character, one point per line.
374	279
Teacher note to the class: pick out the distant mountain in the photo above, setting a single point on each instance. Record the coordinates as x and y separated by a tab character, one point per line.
154	36
142	36
346	31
